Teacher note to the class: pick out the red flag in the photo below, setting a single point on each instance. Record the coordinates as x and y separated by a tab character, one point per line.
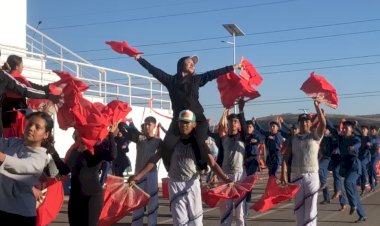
232	190
250	73
231	88
123	48
317	85
274	195
120	199
52	204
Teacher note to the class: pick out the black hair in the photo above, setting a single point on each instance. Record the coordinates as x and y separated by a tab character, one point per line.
349	123
249	122
233	116
373	127
364	127
150	119
12	62
45	116
274	123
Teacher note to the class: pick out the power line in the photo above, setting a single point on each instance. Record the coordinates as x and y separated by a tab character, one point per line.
245	45
319	61
169	15
317	68
248	34
304	98
125	10
303	62
295	101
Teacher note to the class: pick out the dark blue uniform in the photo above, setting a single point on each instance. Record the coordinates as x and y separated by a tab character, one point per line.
273	144
325	151
365	158
350	169
375	157
252	142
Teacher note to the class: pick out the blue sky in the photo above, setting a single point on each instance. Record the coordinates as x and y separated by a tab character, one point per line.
343	36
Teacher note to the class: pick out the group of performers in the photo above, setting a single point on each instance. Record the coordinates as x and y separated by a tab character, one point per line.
302	155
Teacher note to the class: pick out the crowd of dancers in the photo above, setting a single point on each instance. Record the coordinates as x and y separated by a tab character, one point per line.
301	154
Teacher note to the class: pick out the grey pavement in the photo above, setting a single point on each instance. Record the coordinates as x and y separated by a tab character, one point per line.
328	215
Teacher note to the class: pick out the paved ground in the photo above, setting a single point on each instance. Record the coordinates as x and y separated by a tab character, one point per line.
281	216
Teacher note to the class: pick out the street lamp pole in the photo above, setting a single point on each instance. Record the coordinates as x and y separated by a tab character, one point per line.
234	30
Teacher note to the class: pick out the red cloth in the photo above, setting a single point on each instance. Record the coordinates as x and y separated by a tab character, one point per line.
17	128
232	87
210	201
66	79
378	168
116	110
123	48
120	199
232	190
274	195
91	120
52	204
317	85
250	73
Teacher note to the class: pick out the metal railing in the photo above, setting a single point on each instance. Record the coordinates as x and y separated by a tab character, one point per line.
132	88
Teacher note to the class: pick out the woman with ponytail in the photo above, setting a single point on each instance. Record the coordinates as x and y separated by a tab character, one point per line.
13	85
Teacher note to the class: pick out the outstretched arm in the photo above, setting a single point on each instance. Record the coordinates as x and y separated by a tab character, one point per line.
211	75
159	74
21	89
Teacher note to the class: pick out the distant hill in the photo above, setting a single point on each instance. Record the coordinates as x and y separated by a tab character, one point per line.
292	119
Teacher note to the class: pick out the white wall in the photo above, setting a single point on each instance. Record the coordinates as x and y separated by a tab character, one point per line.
13	23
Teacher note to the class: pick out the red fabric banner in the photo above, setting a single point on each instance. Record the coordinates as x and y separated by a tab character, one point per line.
123	48
250	73
52	204
120	199
232	190
231	87
91	120
318	86
274	195
210	201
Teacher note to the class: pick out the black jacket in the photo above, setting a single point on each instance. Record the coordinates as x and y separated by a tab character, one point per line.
184	91
7	82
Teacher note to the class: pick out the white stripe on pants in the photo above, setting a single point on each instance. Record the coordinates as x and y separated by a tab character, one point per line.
227	205
186	203
305	203
149	183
